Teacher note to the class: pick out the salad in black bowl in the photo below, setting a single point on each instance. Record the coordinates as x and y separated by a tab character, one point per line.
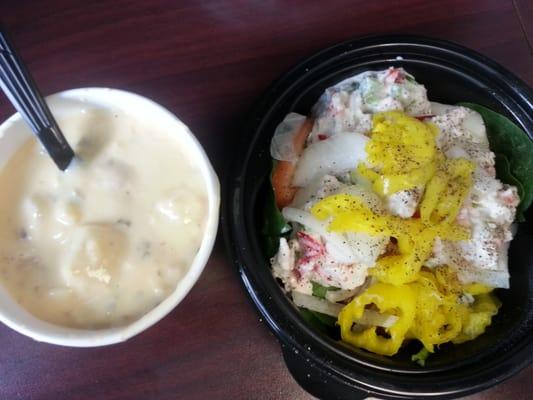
376	244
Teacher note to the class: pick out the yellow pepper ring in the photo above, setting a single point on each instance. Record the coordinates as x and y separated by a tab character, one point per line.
438	316
389	299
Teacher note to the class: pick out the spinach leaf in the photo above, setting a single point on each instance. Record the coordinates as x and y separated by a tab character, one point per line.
325	319
321	322
509	141
421	357
320	291
274	225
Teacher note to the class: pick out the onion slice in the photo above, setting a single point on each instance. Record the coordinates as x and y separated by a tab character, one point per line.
375	318
335	156
369	318
315	304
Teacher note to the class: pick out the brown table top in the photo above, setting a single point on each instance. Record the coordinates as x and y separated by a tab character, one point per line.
207	61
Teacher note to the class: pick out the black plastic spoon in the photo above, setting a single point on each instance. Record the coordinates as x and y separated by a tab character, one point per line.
21	90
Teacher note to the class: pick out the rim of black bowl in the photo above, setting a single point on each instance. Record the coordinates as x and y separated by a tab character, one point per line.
349	366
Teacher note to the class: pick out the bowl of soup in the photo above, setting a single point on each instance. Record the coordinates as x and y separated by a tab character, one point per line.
100	252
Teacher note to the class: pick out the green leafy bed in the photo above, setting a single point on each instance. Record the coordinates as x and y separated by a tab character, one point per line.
514	166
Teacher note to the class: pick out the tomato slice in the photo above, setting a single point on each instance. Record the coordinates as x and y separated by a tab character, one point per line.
284	170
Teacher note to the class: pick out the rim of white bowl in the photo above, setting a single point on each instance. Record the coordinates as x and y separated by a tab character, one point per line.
42	331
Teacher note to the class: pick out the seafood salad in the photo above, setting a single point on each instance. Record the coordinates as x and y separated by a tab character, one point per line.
396	226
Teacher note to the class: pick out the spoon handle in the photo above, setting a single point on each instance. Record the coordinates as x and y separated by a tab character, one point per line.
21	90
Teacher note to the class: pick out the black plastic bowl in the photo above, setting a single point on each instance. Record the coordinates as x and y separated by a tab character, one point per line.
323	366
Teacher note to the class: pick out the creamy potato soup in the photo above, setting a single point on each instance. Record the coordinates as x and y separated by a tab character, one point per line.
106	241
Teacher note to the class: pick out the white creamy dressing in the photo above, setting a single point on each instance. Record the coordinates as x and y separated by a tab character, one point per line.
488	211
106	241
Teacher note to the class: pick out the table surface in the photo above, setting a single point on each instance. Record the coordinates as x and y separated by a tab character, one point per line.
207	61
